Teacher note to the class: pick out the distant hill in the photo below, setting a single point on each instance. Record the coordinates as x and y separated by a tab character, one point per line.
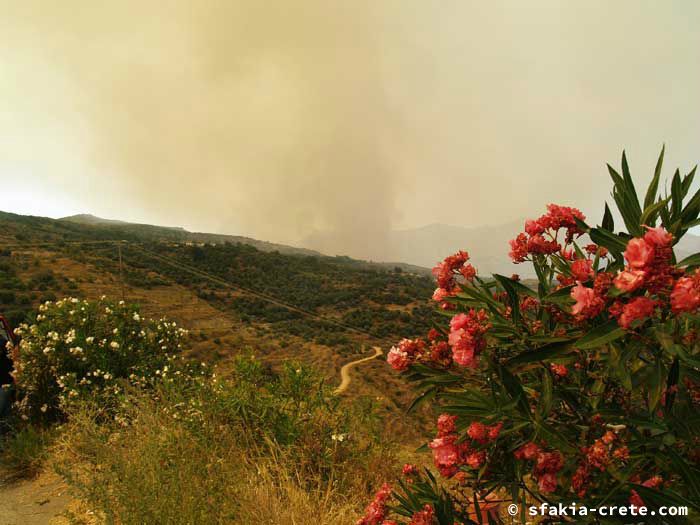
86	218
425	246
178	234
487	245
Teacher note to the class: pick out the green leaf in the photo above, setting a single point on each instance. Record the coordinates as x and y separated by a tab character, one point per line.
600	335
608	221
666	497
654	184
691	260
692	209
676	195
612	242
688	473
421	398
691	224
688	181
514	388
507	285
656	385
519	287
651	212
544	353
545	404
596	392
671	381
630	184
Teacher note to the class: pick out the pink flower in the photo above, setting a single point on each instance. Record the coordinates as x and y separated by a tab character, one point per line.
468	272
518	248
376	511
424	517
588	304
402	355
440	294
445	454
397	359
549	462
477	431
495	430
409	470
559	370
685	296
533	227
467	336
639	253
476	459
547	482
658	236
629	280
636	500
446	424
582	269
537	244
444	272
464	350
527	451
459	321
638	308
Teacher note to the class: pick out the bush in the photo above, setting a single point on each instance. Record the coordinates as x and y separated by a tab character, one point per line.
258	448
76	350
584	388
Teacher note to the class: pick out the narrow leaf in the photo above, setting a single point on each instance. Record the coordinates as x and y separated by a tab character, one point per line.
600	336
654	185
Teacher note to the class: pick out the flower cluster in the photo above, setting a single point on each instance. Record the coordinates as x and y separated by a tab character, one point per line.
376	511
647	282
79	349
685	297
401	356
546	465
651	483
447	273
466	338
541	236
597	457
591	371
450	452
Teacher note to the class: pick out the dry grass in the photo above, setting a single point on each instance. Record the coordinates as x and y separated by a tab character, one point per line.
220	467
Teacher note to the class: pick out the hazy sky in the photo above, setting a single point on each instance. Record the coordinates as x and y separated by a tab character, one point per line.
280	118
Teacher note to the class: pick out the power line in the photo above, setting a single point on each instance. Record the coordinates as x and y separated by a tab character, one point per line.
57	243
260	295
210	277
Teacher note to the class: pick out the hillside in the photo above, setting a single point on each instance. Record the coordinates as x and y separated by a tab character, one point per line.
230	295
176	234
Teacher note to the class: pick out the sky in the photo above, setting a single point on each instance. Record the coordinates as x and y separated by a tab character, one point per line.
285	119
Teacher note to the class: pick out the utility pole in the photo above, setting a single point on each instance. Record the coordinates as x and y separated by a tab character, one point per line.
121	271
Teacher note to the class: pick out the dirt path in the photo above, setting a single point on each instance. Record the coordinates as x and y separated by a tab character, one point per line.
345	370
39	501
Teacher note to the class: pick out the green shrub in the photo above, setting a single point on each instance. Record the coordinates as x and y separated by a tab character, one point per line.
77	350
259	447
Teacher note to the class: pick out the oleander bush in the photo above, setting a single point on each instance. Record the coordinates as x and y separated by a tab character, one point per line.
584	387
76	350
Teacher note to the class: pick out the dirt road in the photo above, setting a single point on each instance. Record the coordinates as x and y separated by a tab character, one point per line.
345	370
39	501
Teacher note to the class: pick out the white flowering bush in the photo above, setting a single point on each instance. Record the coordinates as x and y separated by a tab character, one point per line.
77	350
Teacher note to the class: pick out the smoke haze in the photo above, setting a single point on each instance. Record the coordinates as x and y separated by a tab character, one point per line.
332	123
